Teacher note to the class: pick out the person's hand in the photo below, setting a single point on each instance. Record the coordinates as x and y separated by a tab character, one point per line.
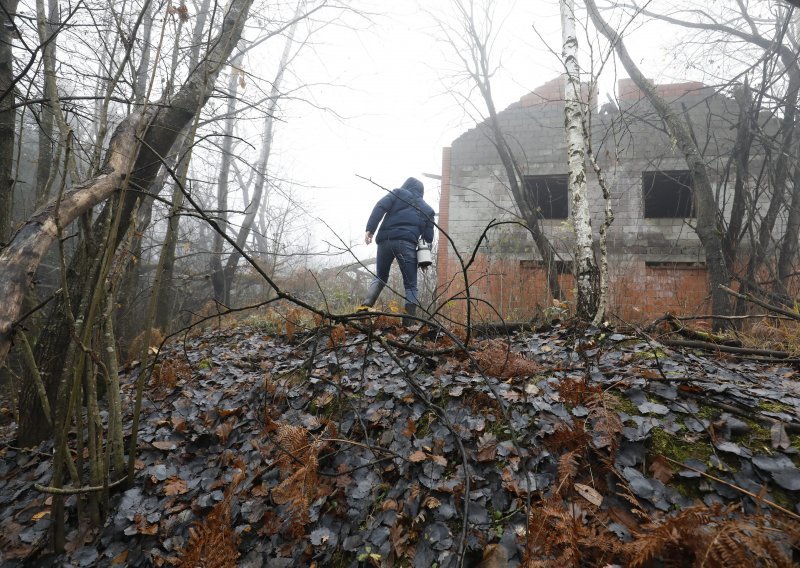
368	237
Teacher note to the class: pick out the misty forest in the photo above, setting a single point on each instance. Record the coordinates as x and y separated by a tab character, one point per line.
188	376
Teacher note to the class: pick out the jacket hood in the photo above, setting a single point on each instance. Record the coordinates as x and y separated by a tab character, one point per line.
414	185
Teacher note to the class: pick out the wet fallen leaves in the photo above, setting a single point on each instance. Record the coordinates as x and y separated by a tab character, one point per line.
346	453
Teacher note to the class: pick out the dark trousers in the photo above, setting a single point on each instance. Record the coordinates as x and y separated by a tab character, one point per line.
406	254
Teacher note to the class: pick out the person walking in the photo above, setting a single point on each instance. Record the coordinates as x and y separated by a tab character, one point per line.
406	218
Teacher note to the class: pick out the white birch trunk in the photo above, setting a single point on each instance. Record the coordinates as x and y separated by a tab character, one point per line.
585	265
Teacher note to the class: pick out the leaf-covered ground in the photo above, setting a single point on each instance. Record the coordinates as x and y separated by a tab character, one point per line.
339	449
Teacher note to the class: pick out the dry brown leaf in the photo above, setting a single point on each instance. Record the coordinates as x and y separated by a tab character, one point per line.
175	486
143	527
164	445
432	502
487	454
417	456
411	428
225	412
324	399
178	424
441	460
661	469
224	430
589	493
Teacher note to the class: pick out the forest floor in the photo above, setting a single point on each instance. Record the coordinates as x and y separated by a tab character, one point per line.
340	448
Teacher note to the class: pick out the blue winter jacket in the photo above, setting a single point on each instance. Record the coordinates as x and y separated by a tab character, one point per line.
405	215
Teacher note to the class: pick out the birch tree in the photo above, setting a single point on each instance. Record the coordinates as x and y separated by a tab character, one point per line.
586	271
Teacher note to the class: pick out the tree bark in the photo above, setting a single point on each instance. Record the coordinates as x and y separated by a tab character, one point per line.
46	170
8	118
221	291
708	228
741	157
586	271
788	250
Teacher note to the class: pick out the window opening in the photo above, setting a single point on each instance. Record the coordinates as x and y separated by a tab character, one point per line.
550	195
667	195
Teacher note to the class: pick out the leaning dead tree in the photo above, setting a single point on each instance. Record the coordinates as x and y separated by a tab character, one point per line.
133	159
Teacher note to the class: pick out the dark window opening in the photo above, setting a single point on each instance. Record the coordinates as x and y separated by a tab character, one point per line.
667	195
549	195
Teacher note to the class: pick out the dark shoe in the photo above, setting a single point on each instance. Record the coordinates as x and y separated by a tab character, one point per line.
411	310
374	291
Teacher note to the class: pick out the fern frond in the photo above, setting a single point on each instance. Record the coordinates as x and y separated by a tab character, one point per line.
606	420
567	470
213	543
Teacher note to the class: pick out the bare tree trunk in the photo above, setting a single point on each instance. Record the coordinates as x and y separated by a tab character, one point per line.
221	290
741	157
708	228
788	251
586	271
46	170
143	69
8	118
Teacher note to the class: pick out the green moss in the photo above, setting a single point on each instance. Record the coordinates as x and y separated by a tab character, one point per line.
648	354
687	486
795	441
757	439
663	443
424	424
624	404
707	412
267	325
204	364
774	406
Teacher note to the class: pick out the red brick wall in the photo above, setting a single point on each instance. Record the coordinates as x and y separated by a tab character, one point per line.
627	89
552	92
517	290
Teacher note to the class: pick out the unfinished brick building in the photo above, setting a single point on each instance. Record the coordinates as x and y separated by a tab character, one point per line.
656	261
